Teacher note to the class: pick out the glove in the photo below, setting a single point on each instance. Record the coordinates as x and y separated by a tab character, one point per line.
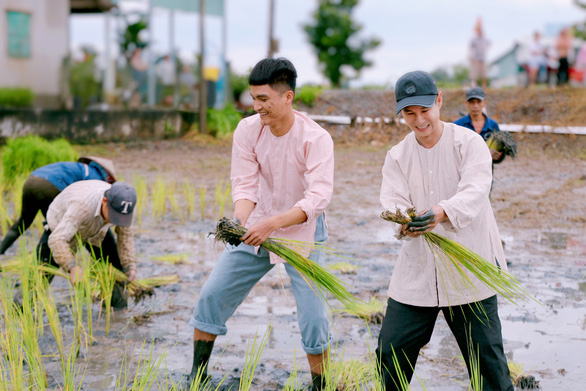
421	223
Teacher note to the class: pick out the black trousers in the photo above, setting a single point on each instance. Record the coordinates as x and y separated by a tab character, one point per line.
108	251
407	329
37	194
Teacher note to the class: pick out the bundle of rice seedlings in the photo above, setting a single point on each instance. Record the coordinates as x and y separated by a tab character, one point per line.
521	379
453	254
140	289
502	141
230	232
372	311
173	259
344	267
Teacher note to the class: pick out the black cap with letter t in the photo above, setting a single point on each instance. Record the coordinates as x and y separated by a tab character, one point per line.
121	202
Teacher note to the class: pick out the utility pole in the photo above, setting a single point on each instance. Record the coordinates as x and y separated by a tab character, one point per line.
202	82
272	42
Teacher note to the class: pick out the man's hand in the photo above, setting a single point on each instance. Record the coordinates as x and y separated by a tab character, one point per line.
131	275
496	155
75	274
424	222
258	233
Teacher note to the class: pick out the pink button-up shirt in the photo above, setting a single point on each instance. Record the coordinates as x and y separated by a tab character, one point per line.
279	173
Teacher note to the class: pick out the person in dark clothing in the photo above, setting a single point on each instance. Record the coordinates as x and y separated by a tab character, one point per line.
45	183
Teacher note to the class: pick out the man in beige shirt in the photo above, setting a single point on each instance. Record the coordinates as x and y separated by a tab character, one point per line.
87	209
444	172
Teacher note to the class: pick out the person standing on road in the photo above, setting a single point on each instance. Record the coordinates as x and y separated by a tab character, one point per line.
477	52
563	46
443	171
282	176
87	209
45	183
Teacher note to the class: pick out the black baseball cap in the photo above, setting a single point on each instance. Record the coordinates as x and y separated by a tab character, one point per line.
415	88
475	93
121	202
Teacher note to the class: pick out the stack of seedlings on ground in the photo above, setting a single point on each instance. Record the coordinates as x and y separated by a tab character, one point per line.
230	232
344	267
372	311
502	141
521	379
458	259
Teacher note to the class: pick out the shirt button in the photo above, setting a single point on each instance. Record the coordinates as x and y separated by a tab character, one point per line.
431	172
431	192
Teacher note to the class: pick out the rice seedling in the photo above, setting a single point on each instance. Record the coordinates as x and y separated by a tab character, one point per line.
147	370
172	197
104	273
351	374
12	365
202	201
372	311
189	194
4	219
173	259
141	189
158	197
344	267
219	199
253	355
16	191
230	232
293	383
502	141
457	259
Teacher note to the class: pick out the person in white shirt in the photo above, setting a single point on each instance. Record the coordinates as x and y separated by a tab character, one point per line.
444	172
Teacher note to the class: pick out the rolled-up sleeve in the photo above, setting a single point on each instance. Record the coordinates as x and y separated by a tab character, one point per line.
244	168
319	177
474	184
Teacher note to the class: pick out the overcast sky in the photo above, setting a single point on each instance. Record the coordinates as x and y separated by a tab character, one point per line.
417	34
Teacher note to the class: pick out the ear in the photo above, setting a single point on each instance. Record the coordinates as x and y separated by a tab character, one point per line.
289	95
439	100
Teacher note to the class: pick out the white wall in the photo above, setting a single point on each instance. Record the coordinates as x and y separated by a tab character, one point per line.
49	41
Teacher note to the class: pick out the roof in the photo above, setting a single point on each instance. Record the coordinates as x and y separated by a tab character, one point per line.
91	6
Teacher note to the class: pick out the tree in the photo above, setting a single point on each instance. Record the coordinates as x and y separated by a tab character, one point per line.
580	28
333	37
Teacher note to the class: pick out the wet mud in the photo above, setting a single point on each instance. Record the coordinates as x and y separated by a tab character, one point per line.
540	204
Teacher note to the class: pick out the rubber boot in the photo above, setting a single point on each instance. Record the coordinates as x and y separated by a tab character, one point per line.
202	350
318	382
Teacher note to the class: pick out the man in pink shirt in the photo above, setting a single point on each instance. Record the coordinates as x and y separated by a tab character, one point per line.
282	180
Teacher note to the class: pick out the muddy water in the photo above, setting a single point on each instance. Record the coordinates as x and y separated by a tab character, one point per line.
546	250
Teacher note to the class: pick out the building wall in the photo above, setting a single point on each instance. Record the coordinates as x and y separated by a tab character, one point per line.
49	21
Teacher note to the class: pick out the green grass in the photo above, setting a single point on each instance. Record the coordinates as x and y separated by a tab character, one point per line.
16	96
23	155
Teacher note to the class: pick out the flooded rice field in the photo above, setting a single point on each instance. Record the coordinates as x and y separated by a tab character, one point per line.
540	205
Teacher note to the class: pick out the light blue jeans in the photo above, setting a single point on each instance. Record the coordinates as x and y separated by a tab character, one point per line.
238	270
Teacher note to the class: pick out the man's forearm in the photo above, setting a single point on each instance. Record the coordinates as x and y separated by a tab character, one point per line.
242	210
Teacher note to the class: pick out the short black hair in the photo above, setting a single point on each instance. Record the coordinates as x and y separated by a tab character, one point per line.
279	73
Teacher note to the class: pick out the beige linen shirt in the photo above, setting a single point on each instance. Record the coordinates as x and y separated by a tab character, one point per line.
455	174
279	173
77	211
